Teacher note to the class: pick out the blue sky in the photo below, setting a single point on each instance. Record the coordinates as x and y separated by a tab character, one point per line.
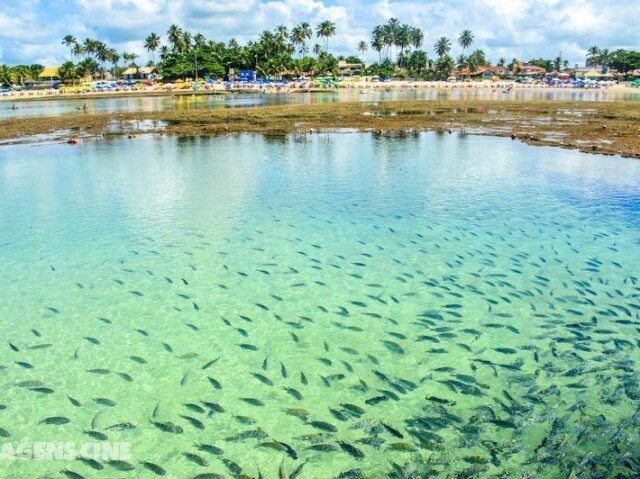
31	30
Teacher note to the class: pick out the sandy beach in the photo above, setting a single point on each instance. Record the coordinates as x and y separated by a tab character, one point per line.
220	89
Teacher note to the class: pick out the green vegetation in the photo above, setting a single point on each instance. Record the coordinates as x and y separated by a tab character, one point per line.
288	52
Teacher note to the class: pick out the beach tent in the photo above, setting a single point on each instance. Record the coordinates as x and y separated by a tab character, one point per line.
592	74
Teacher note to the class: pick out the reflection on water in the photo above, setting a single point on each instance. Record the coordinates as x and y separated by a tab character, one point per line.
335	305
189	102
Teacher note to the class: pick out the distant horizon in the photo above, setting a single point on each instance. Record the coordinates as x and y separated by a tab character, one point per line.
32	31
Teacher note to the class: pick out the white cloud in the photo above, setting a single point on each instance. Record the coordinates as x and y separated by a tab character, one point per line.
32	29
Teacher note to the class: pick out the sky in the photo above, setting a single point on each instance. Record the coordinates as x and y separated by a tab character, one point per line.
31	31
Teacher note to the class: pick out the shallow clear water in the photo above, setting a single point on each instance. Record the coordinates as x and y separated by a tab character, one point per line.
165	102
459	306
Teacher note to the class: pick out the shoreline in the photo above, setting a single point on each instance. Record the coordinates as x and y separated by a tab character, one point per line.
610	128
219	90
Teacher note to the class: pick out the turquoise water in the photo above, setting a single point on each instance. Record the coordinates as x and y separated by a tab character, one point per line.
371	306
165	102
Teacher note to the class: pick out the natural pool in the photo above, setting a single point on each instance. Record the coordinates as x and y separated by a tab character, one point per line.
416	305
164	102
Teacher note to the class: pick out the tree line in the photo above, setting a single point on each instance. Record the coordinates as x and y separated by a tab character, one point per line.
301	50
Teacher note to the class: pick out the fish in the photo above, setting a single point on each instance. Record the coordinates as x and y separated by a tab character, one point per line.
297	412
55	420
193	421
393	431
121	465
339	415
280	446
352	409
322	448
323	426
293	393
211	363
298	470
232	466
199	460
351	450
71	474
168	427
213	407
100	436
157	470
214	382
245	420
122	426
42	390
92	463
263	379
216	451
375	400
125	376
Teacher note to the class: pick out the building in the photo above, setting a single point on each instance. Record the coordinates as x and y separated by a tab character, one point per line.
533	71
486	72
349	69
48	78
142	73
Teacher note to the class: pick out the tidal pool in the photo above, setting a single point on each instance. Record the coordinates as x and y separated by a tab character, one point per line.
164	102
329	305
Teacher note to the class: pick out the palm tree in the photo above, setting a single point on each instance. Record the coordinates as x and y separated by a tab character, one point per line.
89	47
198	42
592	56
70	41
164	52
445	66
417	37
325	30
403	39
68	72
114	58
502	61
102	54
604	59
465	40
376	40
283	32
362	47
151	44
78	50
6	75
299	36
175	36
557	63
442	47
186	41
378	46
130	58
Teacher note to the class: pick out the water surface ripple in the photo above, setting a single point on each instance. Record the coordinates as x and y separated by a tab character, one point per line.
320	306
